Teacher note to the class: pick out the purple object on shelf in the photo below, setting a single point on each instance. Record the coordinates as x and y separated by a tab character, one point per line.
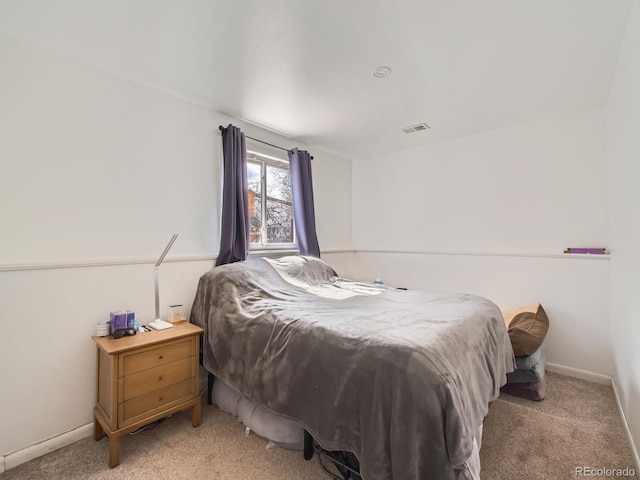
596	251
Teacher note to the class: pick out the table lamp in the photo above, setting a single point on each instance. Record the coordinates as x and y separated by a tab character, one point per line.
158	324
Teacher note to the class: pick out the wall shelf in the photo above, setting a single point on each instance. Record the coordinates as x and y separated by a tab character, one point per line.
568	256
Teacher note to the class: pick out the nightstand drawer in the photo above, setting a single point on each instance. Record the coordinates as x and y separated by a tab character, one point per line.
166	353
147	404
154	378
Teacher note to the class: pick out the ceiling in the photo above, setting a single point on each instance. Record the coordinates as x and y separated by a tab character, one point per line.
304	68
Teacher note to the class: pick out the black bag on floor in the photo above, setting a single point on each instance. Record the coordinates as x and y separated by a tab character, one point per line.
346	463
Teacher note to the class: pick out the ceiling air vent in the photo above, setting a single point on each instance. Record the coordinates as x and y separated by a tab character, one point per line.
416	128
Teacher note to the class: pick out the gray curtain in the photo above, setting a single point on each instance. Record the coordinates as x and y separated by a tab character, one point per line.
303	210
234	236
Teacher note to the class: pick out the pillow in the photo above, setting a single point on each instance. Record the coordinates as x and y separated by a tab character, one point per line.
527	327
310	270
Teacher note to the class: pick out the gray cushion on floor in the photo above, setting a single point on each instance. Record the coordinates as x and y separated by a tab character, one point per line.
282	431
529	368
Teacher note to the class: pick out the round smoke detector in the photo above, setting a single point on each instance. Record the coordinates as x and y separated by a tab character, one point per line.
381	72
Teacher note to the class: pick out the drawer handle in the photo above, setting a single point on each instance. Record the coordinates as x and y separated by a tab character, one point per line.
160	378
160	399
161	357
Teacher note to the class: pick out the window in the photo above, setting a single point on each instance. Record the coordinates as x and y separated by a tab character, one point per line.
271	214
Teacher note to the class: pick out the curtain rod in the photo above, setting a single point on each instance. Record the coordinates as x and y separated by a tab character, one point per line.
222	129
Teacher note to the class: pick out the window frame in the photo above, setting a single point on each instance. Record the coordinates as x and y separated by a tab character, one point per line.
263	160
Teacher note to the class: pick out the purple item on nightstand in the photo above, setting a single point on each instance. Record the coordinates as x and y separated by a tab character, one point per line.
119	320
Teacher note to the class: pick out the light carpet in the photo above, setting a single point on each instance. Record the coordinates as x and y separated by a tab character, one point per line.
576	426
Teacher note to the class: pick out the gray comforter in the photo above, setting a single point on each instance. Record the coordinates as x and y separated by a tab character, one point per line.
403	379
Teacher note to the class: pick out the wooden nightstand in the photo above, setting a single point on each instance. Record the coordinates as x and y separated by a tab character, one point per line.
144	378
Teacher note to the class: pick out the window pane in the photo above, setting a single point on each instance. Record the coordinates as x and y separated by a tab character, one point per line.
255	205
279	212
278	184
279	222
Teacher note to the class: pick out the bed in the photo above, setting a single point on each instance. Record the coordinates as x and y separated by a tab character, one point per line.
402	379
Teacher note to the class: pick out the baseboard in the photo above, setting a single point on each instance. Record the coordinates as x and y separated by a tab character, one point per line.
577	373
39	449
634	450
605	380
52	444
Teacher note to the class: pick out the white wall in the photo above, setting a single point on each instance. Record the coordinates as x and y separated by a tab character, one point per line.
623	155
535	187
99	167
98	170
491	214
